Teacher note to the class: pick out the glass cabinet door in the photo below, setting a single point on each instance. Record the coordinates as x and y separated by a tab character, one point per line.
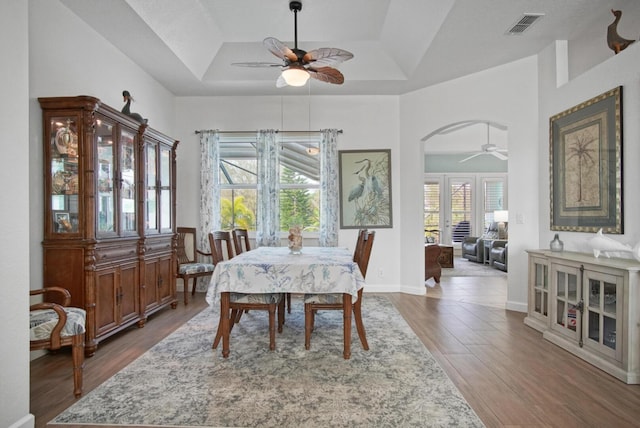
64	188
603	310
540	289
106	215
165	188
127	182
151	209
565	300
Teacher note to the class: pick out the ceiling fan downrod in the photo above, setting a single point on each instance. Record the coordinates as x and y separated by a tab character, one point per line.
295	6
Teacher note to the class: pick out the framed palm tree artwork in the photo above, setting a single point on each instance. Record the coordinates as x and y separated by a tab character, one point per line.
365	189
585	151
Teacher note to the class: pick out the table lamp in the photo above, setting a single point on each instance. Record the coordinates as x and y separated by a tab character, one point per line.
501	217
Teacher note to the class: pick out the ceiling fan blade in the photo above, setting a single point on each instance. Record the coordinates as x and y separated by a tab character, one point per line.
499	155
471	157
327	74
256	64
326	57
280	82
279	49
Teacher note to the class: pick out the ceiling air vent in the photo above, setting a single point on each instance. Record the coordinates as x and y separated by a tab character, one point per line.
524	23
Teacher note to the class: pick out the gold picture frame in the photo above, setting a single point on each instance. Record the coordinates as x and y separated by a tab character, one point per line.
586	166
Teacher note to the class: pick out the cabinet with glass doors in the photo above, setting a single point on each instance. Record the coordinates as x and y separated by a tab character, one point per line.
158	153
93	237
594	308
538	312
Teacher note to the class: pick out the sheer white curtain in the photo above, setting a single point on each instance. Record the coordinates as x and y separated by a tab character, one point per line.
268	188
209	193
268	215
329	189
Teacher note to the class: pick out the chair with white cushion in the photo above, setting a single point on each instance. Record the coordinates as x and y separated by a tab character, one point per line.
241	240
188	264
221	243
54	324
315	302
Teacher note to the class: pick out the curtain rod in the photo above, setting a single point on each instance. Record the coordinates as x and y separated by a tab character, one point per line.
248	132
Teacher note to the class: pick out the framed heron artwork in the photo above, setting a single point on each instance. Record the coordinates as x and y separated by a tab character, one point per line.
365	189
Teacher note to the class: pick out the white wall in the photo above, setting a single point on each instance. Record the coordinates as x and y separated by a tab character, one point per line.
68	58
507	95
14	217
621	69
368	122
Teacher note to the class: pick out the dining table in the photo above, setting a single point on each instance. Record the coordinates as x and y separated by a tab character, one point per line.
313	270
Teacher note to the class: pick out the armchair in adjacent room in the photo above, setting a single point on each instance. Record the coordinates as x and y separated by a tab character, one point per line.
498	254
473	247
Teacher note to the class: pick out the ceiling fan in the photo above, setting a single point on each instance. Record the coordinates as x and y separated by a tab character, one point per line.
298	65
489	149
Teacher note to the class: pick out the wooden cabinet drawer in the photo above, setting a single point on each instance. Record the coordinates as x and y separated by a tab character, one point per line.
109	254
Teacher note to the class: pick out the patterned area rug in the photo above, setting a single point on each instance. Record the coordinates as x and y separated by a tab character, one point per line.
464	267
182	382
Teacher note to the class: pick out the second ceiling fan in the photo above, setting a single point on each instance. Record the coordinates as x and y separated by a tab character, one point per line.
298	65
489	149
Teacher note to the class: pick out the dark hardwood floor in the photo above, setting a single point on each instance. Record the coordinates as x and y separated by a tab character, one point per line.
506	371
51	376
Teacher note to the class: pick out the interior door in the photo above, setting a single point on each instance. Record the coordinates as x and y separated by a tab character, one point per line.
458	213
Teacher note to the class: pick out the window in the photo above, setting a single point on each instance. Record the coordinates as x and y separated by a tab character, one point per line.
299	180
493	199
432	212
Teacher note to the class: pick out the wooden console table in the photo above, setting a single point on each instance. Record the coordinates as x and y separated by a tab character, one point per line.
432	269
446	256
435	258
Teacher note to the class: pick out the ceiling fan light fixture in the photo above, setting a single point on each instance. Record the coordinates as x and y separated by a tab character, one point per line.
295	76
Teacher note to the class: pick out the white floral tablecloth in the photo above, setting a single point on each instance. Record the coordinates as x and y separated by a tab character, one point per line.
275	270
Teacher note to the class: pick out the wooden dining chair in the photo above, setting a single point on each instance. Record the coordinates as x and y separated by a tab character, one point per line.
316	302
241	240
239	303
221	244
189	267
359	244
54	324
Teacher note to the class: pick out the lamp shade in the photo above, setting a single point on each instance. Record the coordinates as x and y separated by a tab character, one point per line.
295	76
501	216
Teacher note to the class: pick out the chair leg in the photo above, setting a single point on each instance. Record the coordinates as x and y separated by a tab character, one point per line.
234	318
280	315
308	325
272	326
357	314
193	288
289	302
77	353
185	286
216	341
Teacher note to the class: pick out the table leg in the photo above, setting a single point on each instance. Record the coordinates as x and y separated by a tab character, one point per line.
224	310
346	311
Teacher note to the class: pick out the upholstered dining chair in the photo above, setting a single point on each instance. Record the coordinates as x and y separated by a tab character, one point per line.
315	302
241	240
357	252
188	265
239	303
54	324
221	243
